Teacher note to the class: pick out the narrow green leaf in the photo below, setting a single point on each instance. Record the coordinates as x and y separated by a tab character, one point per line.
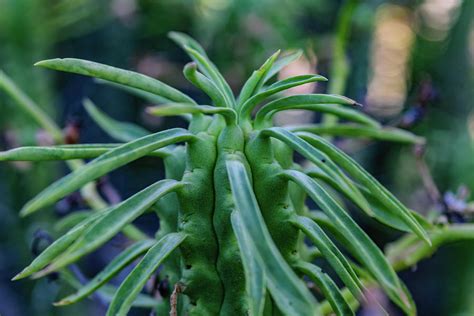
323	162
114	267
330	290
254	269
51	153
121	131
287	290
362	246
390	217
135	281
282	62
407	304
58	246
278	86
317	173
331	253
351	130
27	105
147	96
197	53
255	81
69	221
203	83
105	163
208	68
325	103
116	75
107	291
379	211
109	225
367	180
140	301
65	152
173	109
184	40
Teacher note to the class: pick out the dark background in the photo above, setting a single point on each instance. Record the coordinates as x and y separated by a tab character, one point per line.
409	62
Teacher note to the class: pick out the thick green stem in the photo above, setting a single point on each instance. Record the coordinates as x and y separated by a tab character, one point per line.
277	207
199	250
230	145
167	209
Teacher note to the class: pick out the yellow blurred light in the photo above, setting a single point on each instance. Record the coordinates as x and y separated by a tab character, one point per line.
302	66
470	126
392	43
437	17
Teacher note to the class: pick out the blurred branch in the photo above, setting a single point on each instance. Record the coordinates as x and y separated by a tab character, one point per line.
425	175
340	65
29	107
89	191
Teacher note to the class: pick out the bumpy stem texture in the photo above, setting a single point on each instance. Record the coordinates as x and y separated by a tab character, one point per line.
199	251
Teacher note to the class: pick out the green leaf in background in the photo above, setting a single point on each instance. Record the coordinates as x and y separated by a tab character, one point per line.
121	131
181	108
135	281
287	290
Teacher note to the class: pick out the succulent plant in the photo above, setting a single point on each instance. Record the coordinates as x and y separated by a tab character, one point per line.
232	209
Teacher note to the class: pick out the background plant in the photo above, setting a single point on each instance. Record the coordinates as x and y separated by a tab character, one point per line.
144	42
215	216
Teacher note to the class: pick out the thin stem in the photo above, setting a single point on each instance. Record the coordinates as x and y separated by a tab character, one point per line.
408	251
340	66
30	107
425	174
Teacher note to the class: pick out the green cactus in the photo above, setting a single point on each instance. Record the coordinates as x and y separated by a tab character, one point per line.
232	210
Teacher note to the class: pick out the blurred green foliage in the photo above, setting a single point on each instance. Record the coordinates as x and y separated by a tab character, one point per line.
238	34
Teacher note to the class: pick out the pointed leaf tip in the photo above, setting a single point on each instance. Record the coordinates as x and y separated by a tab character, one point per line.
19	276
